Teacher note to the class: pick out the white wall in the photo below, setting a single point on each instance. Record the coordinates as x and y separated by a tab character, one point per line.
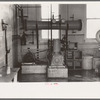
6	13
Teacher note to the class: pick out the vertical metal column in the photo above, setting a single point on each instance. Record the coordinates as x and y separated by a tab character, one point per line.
51	35
37	38
37	34
66	47
51	29
60	26
22	19
32	37
48	35
6	47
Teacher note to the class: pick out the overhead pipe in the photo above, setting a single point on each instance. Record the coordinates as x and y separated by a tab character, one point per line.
72	25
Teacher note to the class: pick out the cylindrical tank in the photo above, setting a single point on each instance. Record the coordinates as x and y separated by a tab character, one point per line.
56	46
72	25
87	62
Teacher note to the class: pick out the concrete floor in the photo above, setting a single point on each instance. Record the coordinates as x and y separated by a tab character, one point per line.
73	76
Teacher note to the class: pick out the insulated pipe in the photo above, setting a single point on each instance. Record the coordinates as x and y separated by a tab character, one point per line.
72	25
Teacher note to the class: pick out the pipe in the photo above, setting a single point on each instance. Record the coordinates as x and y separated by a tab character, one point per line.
60	27
72	25
66	47
51	35
37	37
6	48
32	37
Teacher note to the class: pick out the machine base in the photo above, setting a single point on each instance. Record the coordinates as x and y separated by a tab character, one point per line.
57	73
33	69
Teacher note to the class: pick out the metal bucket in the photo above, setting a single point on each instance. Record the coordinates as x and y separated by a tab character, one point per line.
87	62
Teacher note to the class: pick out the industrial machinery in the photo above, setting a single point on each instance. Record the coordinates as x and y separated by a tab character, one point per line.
41	25
57	58
57	66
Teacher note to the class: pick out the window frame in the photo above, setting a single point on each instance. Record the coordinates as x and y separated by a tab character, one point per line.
48	19
90	40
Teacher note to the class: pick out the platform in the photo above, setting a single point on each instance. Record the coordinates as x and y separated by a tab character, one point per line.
60	72
33	69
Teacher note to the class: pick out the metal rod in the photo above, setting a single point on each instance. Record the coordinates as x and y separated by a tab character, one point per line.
37	34
66	47
22	18
48	37
37	37
51	35
51	28
32	37
60	27
6	48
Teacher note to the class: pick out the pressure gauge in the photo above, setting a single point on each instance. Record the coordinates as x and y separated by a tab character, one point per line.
53	20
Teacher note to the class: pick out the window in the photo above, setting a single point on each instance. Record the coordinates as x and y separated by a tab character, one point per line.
46	15
45	11
93	20
47	34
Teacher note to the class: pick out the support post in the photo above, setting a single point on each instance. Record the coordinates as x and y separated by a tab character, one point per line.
22	18
32	37
51	35
48	35
66	47
6	48
37	37
60	26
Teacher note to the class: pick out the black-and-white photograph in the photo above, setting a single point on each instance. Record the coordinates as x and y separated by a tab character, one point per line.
50	42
